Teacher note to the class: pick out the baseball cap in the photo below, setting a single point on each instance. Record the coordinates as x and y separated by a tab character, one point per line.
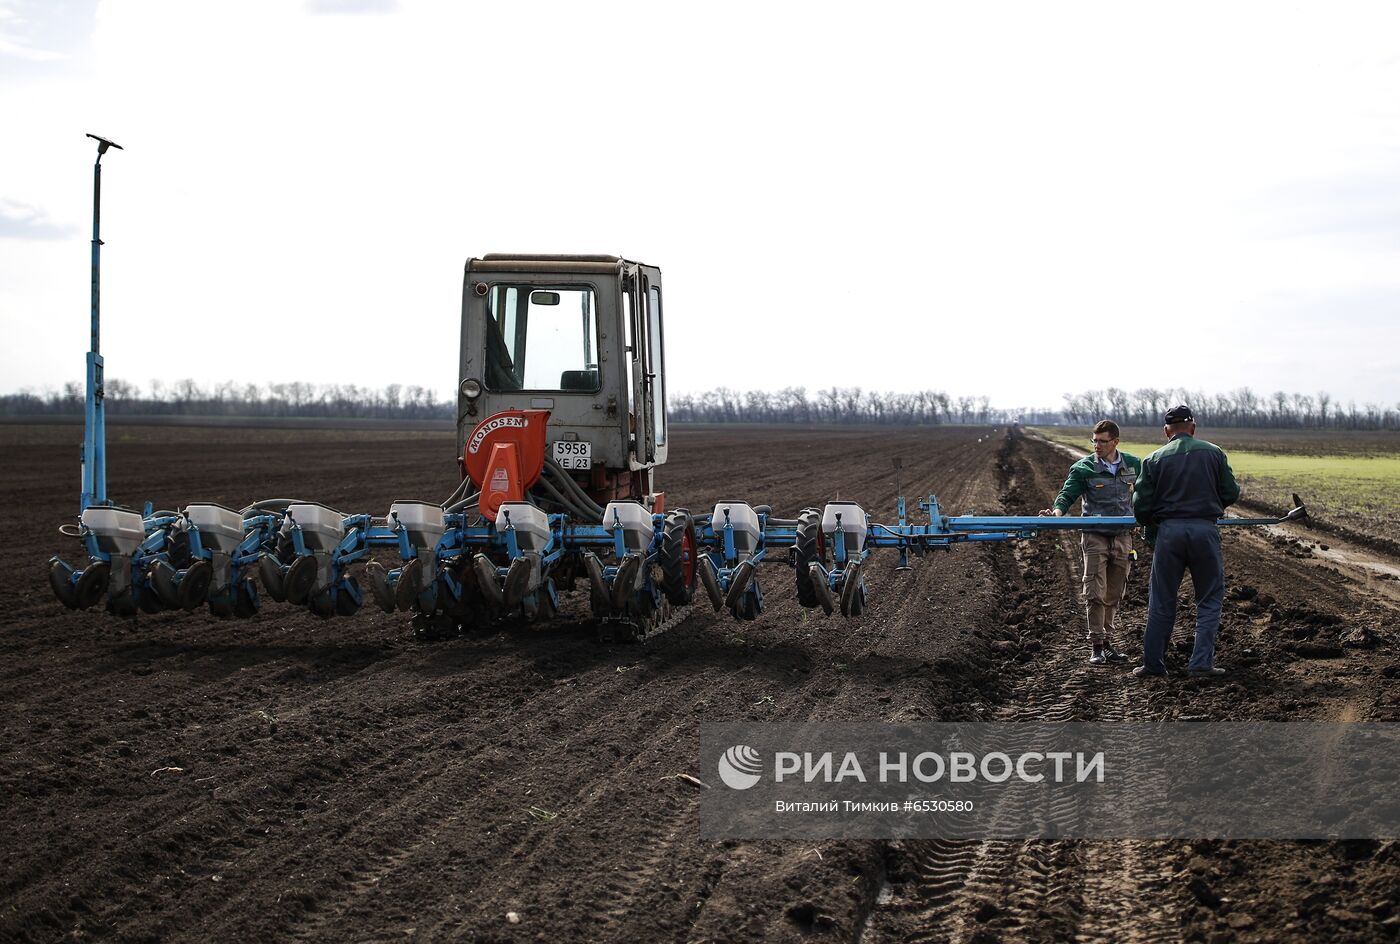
1179	414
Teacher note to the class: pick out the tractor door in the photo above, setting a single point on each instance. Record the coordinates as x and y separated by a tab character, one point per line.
654	361
645	359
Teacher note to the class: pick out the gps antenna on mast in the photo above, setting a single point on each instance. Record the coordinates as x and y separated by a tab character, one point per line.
94	415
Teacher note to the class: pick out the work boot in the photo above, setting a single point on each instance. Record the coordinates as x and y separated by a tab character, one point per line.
1205	673
1143	671
1098	656
1113	655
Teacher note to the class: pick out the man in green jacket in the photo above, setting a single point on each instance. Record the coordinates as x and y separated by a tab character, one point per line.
1184	489
1104	480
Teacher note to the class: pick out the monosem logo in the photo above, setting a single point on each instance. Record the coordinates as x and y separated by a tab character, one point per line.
500	422
739	767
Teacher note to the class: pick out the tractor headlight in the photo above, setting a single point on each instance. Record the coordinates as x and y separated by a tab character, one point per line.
471	388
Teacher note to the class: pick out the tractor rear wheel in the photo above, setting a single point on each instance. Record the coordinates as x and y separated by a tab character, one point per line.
809	548
677	558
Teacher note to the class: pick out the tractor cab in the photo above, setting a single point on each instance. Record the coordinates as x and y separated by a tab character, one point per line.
581	338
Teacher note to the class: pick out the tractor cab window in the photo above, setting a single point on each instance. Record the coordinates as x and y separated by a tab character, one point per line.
542	338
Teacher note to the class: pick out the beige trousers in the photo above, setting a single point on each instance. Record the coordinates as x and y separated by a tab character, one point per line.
1106	564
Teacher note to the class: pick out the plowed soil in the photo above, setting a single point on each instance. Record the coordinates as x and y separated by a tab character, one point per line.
285	778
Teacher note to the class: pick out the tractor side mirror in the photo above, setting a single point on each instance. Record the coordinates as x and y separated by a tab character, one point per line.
544	298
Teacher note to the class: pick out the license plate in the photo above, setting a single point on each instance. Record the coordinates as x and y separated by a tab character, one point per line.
574	454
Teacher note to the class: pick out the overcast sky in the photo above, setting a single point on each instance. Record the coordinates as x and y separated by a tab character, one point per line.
1008	199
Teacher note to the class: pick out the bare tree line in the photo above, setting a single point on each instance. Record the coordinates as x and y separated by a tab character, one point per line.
188	398
844	405
1143	407
1241	407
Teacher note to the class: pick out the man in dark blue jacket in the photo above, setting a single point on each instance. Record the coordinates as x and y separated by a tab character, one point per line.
1184	488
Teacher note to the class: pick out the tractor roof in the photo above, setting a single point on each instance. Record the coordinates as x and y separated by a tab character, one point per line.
543	262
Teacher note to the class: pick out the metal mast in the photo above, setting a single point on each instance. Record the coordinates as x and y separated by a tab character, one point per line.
94	415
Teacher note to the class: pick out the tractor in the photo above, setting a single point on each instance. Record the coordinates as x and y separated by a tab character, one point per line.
564	357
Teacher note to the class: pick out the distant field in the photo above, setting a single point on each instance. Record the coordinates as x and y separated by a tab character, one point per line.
1291	442
1349	479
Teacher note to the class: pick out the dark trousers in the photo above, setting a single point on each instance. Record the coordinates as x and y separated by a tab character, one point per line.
1184	544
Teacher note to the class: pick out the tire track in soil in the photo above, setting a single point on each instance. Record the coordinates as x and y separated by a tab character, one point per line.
982	890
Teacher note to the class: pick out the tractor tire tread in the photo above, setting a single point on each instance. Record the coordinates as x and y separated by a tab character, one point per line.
672	558
807	549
